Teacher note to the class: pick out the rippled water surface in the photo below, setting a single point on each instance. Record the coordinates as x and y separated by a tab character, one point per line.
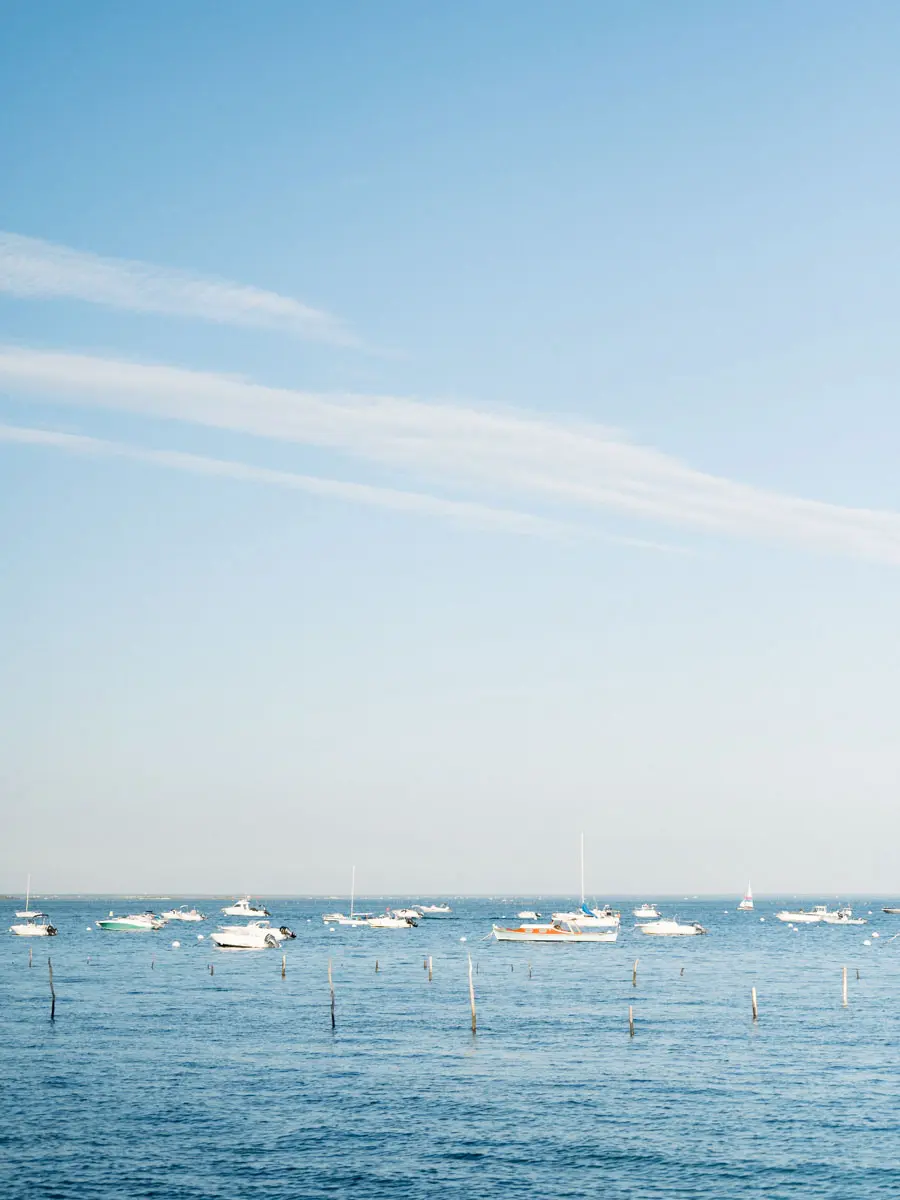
160	1079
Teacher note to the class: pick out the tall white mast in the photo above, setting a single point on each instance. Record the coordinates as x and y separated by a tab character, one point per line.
352	889
28	895
582	870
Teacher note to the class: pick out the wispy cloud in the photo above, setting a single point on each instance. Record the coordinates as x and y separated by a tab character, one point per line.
575	464
31	267
480	515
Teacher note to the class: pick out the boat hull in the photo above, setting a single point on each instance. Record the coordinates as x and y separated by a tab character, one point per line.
670	929
33	930
552	936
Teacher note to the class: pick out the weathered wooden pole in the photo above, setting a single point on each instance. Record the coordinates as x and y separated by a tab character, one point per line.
331	989
472	995
29	957
631	1020
283	965
376	966
529	970
634	973
212	969
844	985
753	1004
52	992
430	971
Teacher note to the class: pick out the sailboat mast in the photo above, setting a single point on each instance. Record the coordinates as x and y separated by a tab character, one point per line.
582	870
28	895
352	889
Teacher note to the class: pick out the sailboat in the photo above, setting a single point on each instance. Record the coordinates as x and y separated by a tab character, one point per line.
27	912
589	918
746	905
337	918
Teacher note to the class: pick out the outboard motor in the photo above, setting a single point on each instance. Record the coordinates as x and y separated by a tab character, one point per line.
52	931
285	932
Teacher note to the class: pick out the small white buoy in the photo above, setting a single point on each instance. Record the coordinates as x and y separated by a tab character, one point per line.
875	933
870	912
867	942
462	939
763	919
199	937
89	929
176	945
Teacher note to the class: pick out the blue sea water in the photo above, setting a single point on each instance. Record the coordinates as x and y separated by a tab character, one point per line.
159	1079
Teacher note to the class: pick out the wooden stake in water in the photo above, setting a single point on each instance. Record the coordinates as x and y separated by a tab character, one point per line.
29	957
283	965
429	969
376	966
153	963
529	970
844	985
631	1020
212	969
472	995
52	992
331	989
634	973
753	1004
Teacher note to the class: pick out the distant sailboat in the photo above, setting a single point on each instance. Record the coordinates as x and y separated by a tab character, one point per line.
746	904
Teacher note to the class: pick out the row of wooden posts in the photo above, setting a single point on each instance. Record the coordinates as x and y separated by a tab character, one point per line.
428	966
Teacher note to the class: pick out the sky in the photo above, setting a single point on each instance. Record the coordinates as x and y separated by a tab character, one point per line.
430	432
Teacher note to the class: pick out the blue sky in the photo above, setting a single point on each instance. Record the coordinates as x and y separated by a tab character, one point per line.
427	434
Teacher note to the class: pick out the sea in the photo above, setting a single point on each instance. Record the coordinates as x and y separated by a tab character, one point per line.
176	1070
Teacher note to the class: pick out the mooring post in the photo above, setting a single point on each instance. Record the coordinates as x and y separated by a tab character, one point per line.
30	963
634	973
472	995
283	965
331	989
52	992
844	985
376	966
529	970
631	1020
430	974
753	1004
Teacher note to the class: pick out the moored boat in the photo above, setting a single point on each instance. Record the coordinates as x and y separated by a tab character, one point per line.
183	913
843	916
134	923
671	928
803	916
646	912
554	932
893	911
391	920
746	905
434	910
528	914
245	908
255	935
38	925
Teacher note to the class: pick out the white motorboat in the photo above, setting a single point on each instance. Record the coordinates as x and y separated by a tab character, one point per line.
245	908
27	912
38	925
671	928
336	918
843	916
391	920
746	905
803	916
646	912
411	914
434	910
553	933
183	914
255	935
134	923
529	914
